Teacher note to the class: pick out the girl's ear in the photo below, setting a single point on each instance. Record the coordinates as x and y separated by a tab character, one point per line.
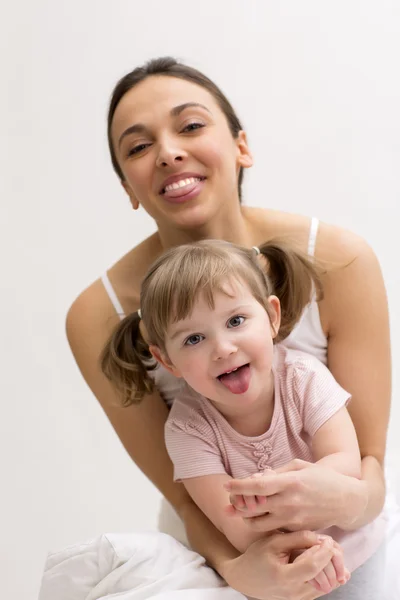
163	359
275	315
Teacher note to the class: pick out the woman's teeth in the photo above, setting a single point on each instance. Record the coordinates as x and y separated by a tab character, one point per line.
181	183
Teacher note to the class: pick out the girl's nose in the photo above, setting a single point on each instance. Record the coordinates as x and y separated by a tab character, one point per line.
223	349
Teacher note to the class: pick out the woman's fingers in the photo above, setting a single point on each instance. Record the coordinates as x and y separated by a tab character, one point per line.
294	465
314	560
265	522
266	485
298	540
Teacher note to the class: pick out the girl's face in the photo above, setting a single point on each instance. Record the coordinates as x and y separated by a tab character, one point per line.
177	154
225	353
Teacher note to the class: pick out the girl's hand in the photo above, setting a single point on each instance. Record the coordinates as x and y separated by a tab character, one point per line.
264	571
333	575
299	496
250	505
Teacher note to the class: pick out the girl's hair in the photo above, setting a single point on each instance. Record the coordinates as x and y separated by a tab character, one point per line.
169	67
176	280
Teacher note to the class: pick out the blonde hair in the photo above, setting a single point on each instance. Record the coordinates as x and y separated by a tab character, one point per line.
173	284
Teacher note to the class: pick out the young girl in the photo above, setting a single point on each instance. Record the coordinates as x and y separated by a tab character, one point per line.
247	405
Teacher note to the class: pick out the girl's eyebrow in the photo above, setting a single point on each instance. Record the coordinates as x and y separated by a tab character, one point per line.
179	332
174	112
187	329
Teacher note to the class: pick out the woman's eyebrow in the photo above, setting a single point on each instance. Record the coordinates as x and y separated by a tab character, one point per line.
178	109
140	128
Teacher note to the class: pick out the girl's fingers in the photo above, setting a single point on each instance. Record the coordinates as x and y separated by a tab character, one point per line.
251	502
314	560
323	582
237	501
315	584
338	564
261	501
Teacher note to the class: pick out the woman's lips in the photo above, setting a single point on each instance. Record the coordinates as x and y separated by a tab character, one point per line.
185	192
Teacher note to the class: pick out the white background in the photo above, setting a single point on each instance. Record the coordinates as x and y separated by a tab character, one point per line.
317	87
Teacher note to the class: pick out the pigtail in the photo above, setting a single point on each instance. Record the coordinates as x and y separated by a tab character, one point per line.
294	278
126	360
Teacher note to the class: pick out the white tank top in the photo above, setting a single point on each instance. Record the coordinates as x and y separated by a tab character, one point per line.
307	335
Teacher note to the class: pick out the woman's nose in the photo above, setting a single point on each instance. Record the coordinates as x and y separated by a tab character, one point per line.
169	154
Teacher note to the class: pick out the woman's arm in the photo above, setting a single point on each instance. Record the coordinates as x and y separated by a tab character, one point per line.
359	357
355	315
140	427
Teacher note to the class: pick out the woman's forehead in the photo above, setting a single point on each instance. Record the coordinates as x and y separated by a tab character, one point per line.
154	99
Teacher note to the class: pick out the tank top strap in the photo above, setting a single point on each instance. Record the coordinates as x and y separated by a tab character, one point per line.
113	296
313	236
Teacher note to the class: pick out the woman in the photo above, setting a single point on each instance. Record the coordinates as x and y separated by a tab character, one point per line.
180	153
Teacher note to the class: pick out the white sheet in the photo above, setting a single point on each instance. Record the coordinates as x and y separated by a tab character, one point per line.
137	566
133	567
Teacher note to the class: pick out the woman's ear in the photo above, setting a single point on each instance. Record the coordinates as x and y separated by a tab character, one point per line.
132	197
163	360
245	157
275	315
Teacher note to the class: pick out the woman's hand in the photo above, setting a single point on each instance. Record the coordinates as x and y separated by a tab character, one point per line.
264	570
298	496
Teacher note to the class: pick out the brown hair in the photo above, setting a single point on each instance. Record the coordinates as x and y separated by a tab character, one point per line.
170	67
173	284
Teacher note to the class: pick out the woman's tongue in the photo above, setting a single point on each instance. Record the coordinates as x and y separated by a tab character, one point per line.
238	381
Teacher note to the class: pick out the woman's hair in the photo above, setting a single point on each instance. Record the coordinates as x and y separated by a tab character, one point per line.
169	67
174	283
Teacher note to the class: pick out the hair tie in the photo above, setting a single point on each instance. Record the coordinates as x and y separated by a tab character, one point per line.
256	250
139	312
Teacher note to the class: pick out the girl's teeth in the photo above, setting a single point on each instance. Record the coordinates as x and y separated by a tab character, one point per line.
181	183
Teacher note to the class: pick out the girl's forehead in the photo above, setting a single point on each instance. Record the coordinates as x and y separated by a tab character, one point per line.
227	293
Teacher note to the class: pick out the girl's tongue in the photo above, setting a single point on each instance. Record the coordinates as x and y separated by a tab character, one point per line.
238	381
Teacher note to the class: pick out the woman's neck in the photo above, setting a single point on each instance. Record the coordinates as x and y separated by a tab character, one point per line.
234	227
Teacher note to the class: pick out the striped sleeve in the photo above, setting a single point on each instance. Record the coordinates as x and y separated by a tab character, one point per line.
191	443
319	396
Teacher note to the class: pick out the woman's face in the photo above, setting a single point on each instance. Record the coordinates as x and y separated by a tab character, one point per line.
176	151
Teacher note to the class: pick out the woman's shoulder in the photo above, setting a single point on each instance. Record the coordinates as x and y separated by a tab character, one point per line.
333	243
92	314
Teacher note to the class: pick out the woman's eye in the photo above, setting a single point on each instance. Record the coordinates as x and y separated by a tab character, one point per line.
137	149
192	127
193	340
235	321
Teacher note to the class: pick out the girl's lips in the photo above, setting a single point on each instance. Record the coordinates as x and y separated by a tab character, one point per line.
184	193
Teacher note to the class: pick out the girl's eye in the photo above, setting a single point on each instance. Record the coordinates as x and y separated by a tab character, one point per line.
235	321
192	127
137	149
193	340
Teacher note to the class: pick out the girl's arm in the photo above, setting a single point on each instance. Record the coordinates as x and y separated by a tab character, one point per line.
335	445
209	494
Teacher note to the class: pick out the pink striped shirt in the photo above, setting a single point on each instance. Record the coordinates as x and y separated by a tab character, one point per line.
201	442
